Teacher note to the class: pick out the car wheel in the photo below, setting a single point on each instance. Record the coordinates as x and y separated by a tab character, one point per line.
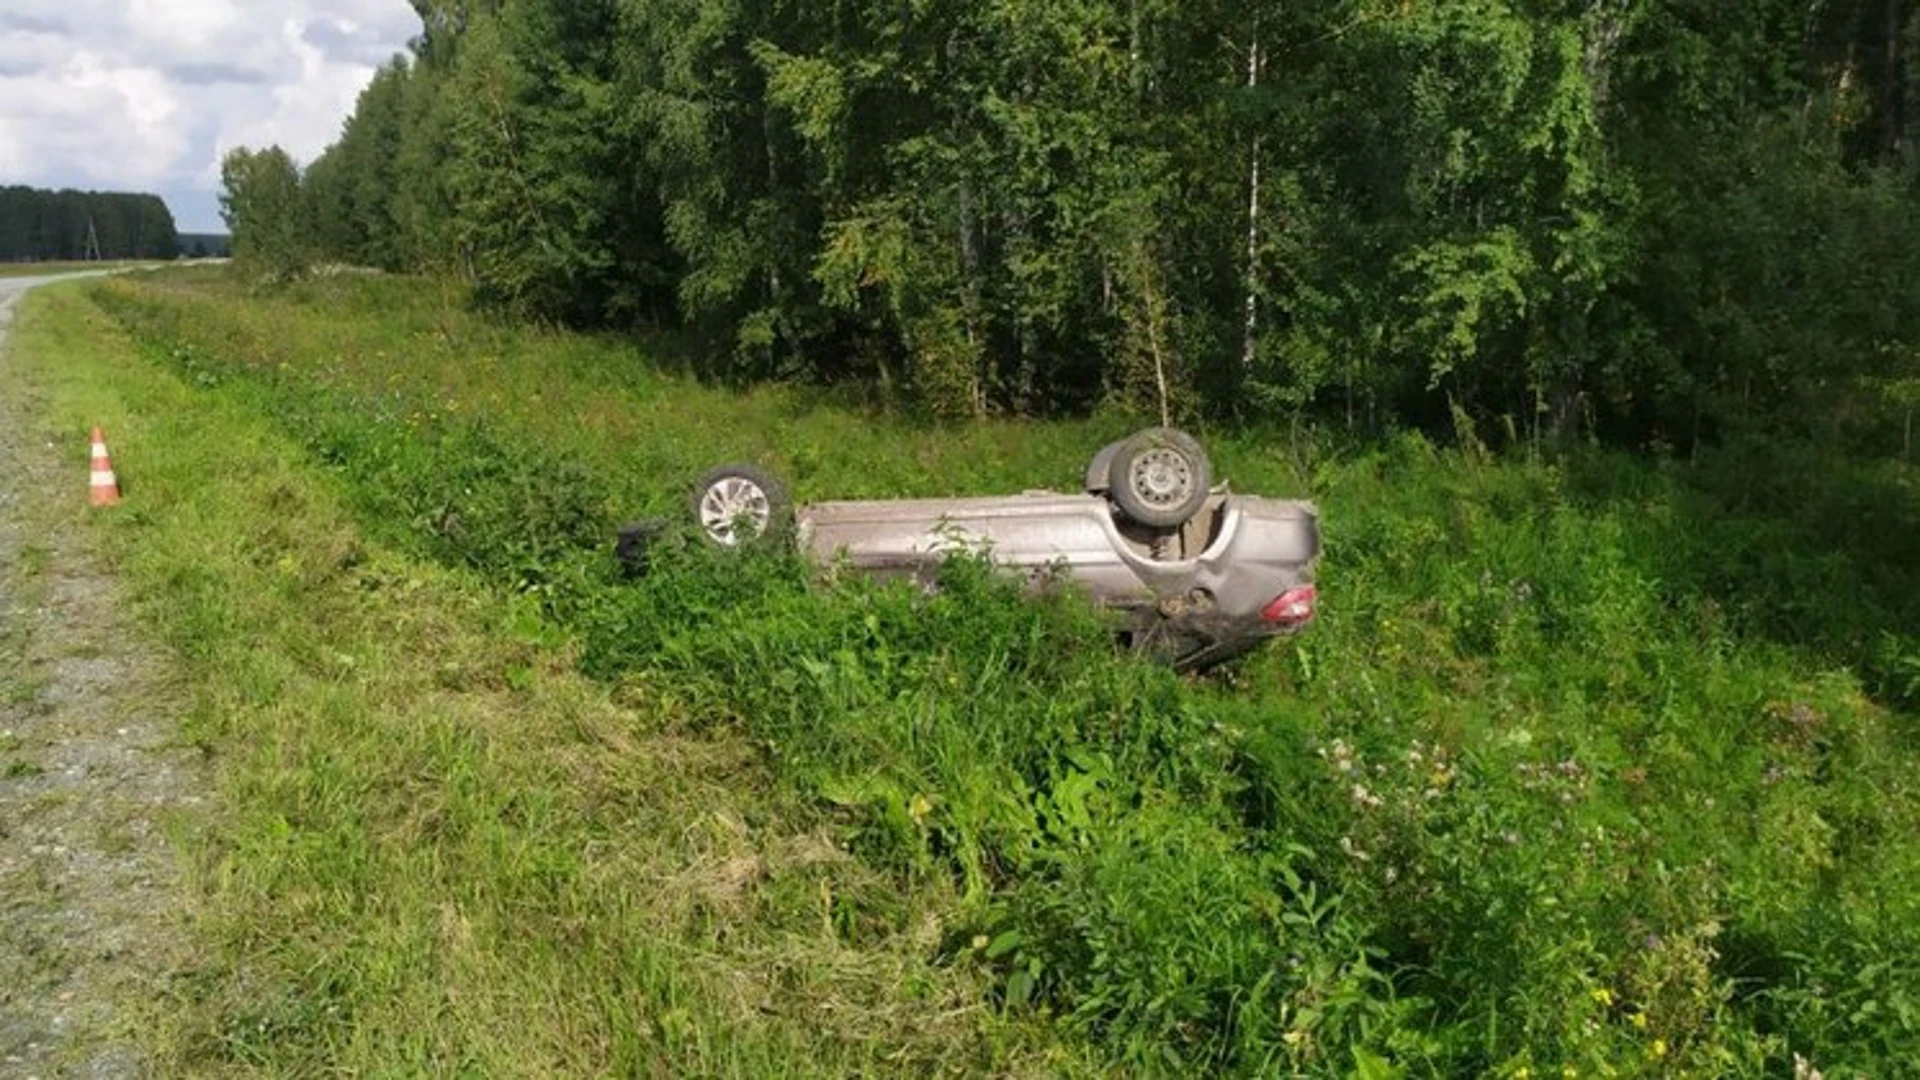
740	505
1160	478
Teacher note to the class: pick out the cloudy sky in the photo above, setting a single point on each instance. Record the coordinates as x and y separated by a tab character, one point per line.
146	95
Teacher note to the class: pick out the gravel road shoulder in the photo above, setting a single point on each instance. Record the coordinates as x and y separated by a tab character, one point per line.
92	775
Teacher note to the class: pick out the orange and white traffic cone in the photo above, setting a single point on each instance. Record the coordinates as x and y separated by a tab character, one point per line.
105	488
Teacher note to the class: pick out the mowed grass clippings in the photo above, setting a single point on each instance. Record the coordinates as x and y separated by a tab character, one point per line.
1593	765
446	852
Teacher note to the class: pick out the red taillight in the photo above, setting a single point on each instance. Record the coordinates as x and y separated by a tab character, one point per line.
1293	608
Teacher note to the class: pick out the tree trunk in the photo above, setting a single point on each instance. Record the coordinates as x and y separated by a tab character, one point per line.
970	246
1251	329
1893	84
1136	72
1154	306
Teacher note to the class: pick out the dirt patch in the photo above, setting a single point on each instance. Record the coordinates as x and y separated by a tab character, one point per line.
91	774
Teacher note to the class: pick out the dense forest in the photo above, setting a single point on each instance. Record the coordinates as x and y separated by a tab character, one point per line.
76	226
1652	222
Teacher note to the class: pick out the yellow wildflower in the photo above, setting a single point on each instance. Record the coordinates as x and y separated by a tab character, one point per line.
1604	996
1659	1048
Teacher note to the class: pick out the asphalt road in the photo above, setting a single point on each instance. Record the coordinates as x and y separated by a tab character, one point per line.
11	287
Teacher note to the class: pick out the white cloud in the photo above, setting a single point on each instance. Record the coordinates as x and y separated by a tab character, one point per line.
148	94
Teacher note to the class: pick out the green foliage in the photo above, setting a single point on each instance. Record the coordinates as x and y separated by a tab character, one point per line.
71	226
263	204
1590	764
1637	222
353	187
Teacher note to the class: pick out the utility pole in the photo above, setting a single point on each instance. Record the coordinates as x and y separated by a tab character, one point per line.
92	250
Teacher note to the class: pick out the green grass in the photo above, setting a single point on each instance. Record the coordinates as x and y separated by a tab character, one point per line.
441	851
1592	764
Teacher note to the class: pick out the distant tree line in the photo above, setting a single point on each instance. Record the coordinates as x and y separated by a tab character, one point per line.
70	226
1641	217
206	245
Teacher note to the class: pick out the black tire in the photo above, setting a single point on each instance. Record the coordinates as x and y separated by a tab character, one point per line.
1161	478
738	506
1100	469
633	546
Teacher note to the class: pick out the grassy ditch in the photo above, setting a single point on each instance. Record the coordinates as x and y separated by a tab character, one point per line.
446	853
1591	765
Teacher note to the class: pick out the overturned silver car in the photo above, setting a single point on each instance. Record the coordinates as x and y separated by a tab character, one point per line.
1195	573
